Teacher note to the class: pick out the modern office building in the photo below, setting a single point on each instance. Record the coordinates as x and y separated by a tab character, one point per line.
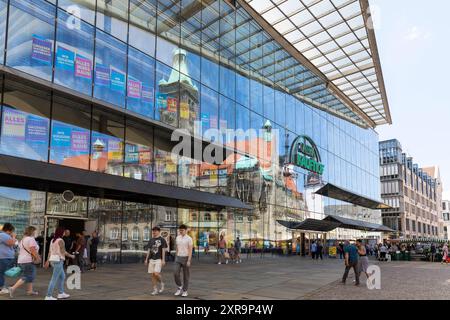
414	194
93	90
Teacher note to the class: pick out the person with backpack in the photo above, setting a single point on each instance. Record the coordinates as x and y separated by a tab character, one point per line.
28	258
7	253
56	257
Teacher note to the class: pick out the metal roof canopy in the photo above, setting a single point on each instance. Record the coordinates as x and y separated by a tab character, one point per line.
336	41
333	222
347	223
332	191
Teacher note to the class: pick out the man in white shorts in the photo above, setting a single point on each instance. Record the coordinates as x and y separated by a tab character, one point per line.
156	259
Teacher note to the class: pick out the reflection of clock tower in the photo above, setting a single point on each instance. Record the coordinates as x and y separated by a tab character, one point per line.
182	96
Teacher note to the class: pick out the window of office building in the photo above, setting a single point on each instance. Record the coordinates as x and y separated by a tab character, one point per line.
107	148
110	69
70	134
84	9
74	54
25	122
141	83
112	17
143	25
30	37
3	13
138	152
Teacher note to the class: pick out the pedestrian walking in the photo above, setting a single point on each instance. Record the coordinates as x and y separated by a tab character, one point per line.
68	244
93	246
319	251
56	258
237	248
351	261
156	259
222	247
297	246
444	254
341	250
433	252
183	258
313	250
80	247
27	260
383	251
363	262
7	253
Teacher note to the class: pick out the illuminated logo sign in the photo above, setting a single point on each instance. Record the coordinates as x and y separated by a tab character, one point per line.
305	154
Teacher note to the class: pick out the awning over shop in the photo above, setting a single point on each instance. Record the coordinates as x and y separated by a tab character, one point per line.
338	193
347	223
311	225
332	222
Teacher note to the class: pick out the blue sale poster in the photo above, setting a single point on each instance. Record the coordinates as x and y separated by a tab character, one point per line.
102	75
41	50
161	100
61	134
36	129
65	59
117	81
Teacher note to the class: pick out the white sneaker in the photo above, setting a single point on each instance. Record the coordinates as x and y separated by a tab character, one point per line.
178	292
63	296
185	294
4	291
50	298
162	288
226	262
219	262
154	292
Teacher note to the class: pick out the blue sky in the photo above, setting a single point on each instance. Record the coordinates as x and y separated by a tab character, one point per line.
414	45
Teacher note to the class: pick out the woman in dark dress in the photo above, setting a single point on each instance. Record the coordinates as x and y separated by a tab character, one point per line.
93	250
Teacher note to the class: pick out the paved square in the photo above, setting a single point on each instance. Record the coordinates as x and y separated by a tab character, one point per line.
292	278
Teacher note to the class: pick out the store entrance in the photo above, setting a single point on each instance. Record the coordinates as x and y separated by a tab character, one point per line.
74	225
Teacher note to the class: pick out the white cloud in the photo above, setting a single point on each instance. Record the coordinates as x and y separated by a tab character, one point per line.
446	195
415	33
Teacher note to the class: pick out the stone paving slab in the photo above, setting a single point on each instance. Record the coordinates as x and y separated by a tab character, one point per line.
282	278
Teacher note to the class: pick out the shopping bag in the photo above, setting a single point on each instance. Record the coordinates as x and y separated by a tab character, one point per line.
14	272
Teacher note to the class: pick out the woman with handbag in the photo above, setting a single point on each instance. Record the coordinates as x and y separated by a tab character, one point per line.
28	258
56	257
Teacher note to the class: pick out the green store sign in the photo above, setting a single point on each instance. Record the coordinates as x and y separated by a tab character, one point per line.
305	154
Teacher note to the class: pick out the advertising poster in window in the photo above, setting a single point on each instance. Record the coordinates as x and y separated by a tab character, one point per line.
131	153
102	75
80	141
147	94
145	155
117	80
114	149
172	104
162	100
65	59
134	89
83	67
13	124
41	50
205	120
36	129
61	135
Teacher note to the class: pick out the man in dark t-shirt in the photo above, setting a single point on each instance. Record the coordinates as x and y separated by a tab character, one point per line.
351	261
156	259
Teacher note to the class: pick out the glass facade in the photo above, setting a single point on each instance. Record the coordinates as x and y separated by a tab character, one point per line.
211	69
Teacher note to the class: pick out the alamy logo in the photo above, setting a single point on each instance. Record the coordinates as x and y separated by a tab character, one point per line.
74	279
374	280
74	20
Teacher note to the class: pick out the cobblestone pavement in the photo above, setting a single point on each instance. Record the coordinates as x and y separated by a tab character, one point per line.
269	278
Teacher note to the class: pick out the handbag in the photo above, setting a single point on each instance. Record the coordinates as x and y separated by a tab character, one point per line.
14	272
